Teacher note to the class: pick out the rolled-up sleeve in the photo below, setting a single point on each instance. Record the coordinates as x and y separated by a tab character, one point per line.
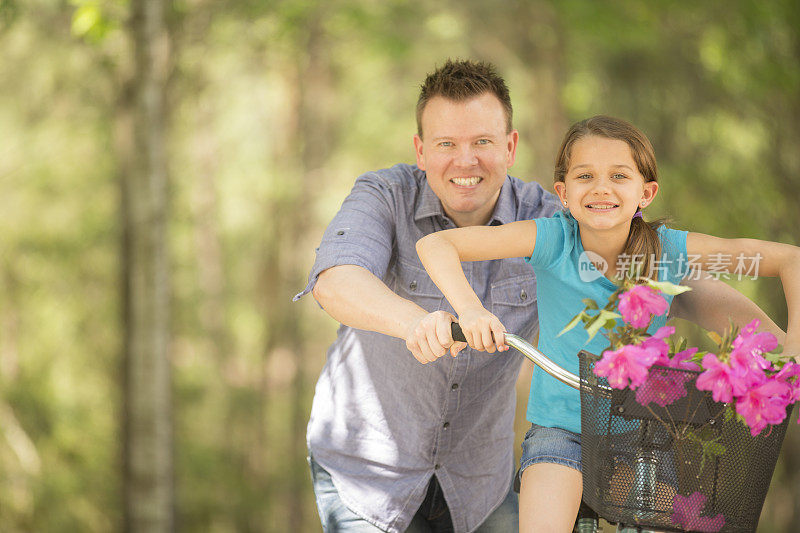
361	233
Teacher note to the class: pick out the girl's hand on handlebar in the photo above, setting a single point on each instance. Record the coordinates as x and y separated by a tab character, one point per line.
483	330
430	337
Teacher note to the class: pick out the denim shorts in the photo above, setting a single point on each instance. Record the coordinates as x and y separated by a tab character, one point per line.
549	445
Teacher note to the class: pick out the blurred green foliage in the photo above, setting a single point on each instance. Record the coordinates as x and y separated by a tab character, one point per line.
276	107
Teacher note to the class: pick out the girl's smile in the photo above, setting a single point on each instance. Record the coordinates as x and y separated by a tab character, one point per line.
602	207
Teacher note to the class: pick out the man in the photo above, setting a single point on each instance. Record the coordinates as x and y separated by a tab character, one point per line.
395	445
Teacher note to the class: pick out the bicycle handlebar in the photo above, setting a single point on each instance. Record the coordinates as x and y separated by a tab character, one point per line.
538	358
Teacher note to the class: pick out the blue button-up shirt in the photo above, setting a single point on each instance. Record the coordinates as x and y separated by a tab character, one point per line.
382	423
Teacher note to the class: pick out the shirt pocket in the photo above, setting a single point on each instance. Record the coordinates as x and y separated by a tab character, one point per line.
513	302
413	283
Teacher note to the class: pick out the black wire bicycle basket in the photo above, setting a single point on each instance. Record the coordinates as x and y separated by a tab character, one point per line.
665	456
668	457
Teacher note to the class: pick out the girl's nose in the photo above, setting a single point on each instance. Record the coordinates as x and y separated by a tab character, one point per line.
601	186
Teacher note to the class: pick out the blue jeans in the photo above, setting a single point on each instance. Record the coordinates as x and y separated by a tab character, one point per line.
433	515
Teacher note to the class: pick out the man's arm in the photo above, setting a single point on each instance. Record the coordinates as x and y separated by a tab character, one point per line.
711	303
357	298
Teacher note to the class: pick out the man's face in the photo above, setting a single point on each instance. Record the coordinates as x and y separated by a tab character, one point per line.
466	153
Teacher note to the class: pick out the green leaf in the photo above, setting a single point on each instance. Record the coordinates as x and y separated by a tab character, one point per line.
715	448
776	355
668	288
709	447
777	358
590	304
609	315
593	327
698	357
681	344
572	323
729	412
600	320
714	336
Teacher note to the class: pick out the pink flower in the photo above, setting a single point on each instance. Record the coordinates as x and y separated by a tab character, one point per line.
638	305
657	343
686	514
764	404
748	369
681	360
745	358
720	379
667	386
790	370
662	387
750	342
629	363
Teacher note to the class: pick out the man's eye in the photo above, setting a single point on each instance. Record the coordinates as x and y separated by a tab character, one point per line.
446	144
484	141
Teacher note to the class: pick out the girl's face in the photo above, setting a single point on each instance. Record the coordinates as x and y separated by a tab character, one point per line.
603	187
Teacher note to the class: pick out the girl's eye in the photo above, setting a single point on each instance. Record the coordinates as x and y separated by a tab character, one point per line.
584	177
620	176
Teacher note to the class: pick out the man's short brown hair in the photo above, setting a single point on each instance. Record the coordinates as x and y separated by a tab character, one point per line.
461	80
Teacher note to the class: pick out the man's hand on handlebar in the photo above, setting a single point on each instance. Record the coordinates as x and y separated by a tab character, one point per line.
483	330
430	337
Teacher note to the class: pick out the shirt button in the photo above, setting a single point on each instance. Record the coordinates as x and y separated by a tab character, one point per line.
523	295
413	285
436	466
446	425
340	232
454	386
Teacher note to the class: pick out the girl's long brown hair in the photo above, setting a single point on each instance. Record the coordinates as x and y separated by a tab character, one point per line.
643	245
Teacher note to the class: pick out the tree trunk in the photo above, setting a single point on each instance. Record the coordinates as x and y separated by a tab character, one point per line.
148	469
309	135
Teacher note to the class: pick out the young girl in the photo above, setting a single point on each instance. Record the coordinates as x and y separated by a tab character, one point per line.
605	175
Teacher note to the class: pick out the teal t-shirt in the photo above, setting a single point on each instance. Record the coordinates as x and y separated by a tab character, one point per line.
564	277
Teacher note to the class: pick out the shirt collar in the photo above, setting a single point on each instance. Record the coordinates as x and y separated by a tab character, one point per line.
505	210
429	205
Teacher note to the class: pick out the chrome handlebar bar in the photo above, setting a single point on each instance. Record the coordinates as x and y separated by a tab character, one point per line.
538	358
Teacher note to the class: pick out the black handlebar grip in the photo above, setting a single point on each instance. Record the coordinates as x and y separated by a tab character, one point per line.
458	335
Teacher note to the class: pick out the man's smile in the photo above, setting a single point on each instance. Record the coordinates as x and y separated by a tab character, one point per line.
469	181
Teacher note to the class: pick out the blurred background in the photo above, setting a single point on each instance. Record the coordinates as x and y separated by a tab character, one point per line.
268	111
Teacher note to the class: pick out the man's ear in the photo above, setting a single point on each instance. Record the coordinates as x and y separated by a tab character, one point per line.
513	139
418	151
649	193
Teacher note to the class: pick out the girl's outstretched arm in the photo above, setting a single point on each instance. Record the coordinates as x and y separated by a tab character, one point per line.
441	254
712	304
760	258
